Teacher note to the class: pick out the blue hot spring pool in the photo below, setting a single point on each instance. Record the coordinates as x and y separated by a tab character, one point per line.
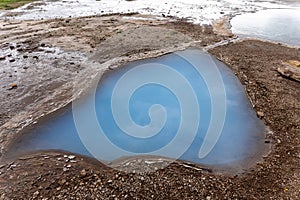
185	105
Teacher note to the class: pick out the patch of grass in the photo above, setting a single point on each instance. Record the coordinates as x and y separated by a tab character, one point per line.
11	4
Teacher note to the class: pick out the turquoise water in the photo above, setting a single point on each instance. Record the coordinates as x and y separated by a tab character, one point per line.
216	126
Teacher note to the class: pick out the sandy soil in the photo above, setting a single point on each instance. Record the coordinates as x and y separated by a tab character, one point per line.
40	60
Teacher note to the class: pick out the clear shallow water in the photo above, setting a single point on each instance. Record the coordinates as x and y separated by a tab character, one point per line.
240	135
279	25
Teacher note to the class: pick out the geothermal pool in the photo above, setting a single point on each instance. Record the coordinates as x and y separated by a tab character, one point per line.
186	105
279	25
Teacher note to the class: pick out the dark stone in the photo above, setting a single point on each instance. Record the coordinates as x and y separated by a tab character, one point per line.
13	86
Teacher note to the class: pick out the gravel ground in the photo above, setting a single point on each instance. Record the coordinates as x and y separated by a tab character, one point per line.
70	43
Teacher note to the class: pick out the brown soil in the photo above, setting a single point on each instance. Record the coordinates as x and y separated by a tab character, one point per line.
51	175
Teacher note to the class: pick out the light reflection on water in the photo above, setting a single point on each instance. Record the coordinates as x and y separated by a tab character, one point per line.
242	137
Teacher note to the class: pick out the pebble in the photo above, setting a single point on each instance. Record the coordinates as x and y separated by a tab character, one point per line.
36	194
83	173
61	182
71	157
278	141
13	86
260	114
2	57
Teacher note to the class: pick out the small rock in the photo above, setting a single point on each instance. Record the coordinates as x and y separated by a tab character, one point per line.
278	141
11	47
260	114
13	86
71	157
295	63
290	69
35	57
2	57
65	169
25	56
12	60
69	166
36	194
61	182
50	51
83	173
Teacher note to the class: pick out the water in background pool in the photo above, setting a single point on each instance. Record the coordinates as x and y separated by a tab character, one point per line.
279	25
